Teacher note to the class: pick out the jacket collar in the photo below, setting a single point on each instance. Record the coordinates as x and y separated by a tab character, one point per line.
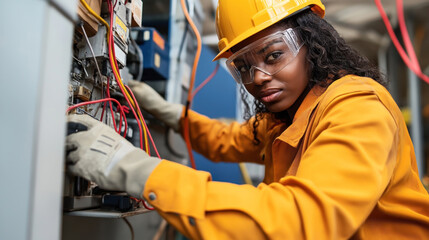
293	134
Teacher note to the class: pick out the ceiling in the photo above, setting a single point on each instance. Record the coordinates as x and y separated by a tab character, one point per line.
357	21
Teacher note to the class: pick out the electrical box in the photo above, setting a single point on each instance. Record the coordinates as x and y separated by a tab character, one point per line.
156	54
93	79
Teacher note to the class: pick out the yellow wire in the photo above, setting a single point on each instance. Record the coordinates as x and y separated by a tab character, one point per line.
119	80
96	15
88	8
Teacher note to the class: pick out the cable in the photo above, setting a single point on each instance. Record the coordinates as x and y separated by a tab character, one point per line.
101	20
130	227
95	59
392	33
121	109
116	73
144	122
91	49
182	42
109	40
207	80
140	54
398	46
145	205
99	74
191	84
405	36
130	100
89	9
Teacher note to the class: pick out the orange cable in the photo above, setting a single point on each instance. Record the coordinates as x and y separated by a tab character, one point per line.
191	84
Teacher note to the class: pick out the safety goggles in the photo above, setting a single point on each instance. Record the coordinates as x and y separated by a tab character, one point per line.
269	55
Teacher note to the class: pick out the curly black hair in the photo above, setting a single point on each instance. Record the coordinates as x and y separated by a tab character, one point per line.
329	58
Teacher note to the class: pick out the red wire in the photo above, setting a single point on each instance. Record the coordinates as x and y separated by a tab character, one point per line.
102	113
120	119
122	114
147	206
405	36
207	80
111	109
144	122
391	33
97	101
143	202
397	44
113	62
118	130
116	74
113	51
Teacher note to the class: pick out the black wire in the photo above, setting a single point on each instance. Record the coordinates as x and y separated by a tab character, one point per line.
130	226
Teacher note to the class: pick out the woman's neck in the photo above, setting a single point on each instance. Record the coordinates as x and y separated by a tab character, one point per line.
292	110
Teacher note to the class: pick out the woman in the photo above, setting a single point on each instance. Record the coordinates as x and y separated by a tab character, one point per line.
339	163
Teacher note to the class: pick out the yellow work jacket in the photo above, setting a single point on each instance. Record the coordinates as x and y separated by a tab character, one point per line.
344	169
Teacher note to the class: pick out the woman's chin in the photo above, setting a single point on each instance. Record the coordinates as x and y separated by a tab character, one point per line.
276	108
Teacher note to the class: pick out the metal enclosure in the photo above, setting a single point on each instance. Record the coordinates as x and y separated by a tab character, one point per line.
36	54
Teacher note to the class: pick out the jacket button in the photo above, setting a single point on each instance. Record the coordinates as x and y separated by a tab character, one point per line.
152	196
192	221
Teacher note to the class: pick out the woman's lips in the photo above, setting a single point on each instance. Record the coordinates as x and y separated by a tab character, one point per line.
270	95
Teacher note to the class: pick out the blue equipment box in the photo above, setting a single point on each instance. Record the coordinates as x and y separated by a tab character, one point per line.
156	60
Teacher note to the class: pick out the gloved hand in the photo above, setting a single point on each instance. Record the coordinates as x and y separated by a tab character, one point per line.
153	103
101	155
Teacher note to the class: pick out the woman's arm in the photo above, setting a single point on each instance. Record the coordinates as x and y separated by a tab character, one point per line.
219	141
343	172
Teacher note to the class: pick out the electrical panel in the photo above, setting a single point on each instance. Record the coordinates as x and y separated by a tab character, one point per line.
125	43
105	58
110	47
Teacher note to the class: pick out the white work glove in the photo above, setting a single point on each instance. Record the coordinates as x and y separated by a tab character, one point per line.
97	153
156	105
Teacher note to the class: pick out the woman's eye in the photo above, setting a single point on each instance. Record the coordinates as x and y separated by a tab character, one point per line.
273	56
242	69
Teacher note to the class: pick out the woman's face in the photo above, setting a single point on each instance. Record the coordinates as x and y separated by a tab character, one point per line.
280	91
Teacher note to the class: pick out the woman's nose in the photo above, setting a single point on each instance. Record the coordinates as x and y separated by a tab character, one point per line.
260	76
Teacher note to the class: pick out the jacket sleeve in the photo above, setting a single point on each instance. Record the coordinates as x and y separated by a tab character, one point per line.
219	141
342	174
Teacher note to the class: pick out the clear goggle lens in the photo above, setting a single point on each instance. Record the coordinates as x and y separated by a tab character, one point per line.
268	55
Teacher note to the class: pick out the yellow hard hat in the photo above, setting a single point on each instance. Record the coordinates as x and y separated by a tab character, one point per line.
237	20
